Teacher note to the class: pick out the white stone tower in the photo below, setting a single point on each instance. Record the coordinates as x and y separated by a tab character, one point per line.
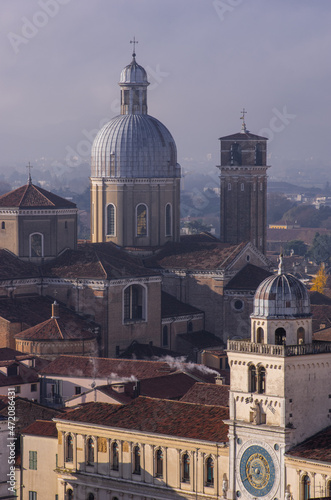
135	177
278	394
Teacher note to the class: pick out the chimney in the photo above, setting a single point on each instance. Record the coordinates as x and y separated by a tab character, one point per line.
55	310
219	380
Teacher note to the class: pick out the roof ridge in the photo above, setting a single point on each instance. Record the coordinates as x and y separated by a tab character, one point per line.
39	192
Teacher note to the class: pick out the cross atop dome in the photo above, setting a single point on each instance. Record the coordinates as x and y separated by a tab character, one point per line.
243	125
29	176
134	41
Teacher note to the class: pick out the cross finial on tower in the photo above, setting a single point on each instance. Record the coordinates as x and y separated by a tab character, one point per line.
243	125
29	176
134	41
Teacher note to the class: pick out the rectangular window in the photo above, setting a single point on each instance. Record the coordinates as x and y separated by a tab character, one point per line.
32	495
33	460
78	390
33	387
18	389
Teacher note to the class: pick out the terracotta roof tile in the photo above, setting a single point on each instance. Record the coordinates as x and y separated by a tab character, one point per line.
208	394
117	369
31	196
56	329
158	416
11	267
137	350
43	428
323	335
99	261
194	255
318	447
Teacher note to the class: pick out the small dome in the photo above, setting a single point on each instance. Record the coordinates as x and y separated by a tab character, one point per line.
134	146
133	73
281	295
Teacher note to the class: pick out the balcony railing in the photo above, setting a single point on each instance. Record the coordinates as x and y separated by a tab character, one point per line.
278	350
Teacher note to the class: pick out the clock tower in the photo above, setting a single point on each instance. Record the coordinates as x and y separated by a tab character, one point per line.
276	380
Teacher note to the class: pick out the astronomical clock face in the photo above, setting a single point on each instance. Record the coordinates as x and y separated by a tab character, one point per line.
258	471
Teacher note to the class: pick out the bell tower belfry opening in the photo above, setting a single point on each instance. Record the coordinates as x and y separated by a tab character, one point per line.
243	174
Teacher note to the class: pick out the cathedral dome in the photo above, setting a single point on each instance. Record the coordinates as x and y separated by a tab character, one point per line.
133	73
281	295
134	146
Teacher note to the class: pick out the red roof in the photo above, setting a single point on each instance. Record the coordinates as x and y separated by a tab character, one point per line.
158	416
170	307
208	394
12	267
318	447
41	428
31	196
56	329
194	255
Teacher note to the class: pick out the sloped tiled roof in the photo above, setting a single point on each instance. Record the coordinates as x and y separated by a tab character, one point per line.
158	416
42	428
25	375
317	447
137	350
242	136
8	354
98	261
323	335
201	339
34	310
56	329
195	255
208	394
319	299
170	307
321	316
118	369
31	196
11	267
248	278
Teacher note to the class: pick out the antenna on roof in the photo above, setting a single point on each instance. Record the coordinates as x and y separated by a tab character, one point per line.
29	176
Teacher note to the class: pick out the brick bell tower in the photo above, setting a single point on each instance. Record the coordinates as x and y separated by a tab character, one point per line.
243	174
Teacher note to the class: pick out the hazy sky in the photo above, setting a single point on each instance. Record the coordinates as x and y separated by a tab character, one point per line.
61	61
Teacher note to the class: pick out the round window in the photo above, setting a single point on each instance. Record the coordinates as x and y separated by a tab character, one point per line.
238	305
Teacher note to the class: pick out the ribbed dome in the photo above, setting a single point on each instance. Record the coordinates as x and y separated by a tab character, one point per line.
281	295
134	146
133	73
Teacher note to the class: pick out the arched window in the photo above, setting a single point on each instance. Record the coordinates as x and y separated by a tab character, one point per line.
114	456
69	449
229	186
235	154
261	380
136	460
190	326
110	225
301	335
168	220
3	225
70	494
36	245
159	463
242	186
260	335
209	472
258	154
252	378
185	468
90	451
90	496
141	220
305	487
328	489
165	335
134	296
280	336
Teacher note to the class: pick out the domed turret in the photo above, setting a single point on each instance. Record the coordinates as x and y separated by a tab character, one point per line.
281	310
133	74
